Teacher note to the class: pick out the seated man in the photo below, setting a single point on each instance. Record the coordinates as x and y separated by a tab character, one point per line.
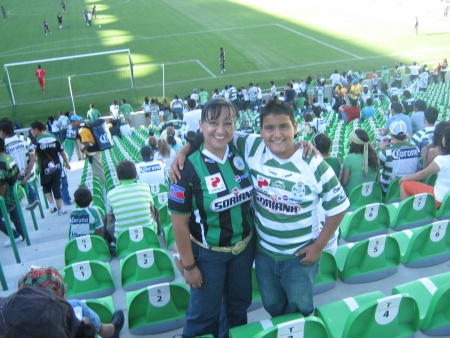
129	203
150	171
397	157
49	278
424	137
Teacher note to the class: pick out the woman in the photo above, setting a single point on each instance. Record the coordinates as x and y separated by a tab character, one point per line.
213	227
434	149
361	163
146	109
439	166
323	143
444	66
309	88
165	153
173	141
53	127
165	106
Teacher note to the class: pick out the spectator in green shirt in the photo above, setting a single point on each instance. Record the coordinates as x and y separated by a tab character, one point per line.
93	114
126	109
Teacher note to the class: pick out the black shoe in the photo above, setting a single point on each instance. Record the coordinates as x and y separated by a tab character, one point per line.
117	320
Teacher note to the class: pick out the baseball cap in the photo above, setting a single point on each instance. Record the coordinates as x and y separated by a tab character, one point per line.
398	128
76	117
37	313
44	277
355	80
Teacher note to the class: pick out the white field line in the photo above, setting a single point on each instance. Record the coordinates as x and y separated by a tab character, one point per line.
318	41
206	68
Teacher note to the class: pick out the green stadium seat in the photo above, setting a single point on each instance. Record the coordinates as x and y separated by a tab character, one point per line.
432	295
365	193
367	221
104	307
146	267
135	239
327	275
393	192
86	248
252	329
157	188
392	316
368	260
424	246
412	212
335	315
444	211
164	217
88	279
431	180
256	294
160	199
169	237
157	308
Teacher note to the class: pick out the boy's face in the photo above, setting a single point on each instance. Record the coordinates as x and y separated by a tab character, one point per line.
278	134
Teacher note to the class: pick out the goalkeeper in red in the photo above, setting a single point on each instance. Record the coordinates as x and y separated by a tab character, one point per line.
40	74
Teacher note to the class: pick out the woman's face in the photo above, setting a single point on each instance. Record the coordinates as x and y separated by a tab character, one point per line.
218	132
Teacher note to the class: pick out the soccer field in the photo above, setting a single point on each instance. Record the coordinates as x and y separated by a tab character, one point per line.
264	40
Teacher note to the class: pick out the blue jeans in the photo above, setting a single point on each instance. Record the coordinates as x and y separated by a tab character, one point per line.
15	219
31	194
226	293
286	286
65	190
87	312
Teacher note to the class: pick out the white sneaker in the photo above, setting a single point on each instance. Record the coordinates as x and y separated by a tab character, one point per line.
61	212
17	240
32	205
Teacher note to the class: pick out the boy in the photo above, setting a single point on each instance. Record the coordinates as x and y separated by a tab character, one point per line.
84	220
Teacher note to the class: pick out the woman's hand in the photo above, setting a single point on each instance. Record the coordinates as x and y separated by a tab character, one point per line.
308	149
193	278
176	166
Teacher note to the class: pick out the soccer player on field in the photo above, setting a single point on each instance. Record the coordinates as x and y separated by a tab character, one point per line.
40	73
222	60
4	13
63	5
46	29
59	17
94	12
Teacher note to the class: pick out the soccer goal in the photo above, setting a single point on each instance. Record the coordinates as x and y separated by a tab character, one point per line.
76	78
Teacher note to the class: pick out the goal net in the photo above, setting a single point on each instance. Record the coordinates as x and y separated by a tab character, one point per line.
89	76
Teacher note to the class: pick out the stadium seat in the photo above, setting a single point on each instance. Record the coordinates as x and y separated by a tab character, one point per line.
371	316
431	180
282	326
328	273
104	307
156	188
412	212
393	192
146	267
157	308
368	260
432	295
135	239
367	221
363	194
164	218
444	211
86	248
424	246
88	279
256	294
169	237
160	199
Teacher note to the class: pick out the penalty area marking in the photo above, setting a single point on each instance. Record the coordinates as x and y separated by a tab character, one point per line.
175	63
318	41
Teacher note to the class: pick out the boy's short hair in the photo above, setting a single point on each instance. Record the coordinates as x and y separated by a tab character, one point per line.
83	197
276	107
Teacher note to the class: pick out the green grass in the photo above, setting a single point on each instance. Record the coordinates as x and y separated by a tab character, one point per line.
263	40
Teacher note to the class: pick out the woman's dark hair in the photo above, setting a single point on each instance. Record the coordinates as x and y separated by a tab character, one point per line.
446	145
171	136
85	330
439	133
323	143
213	109
316	110
146	100
359	149
51	119
308	80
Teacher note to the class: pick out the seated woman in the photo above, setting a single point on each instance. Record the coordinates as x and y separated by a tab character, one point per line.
323	143
164	153
430	151
361	163
440	166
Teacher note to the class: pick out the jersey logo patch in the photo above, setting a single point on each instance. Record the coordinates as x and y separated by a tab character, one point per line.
176	193
278	207
263	182
239	163
215	183
236	197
